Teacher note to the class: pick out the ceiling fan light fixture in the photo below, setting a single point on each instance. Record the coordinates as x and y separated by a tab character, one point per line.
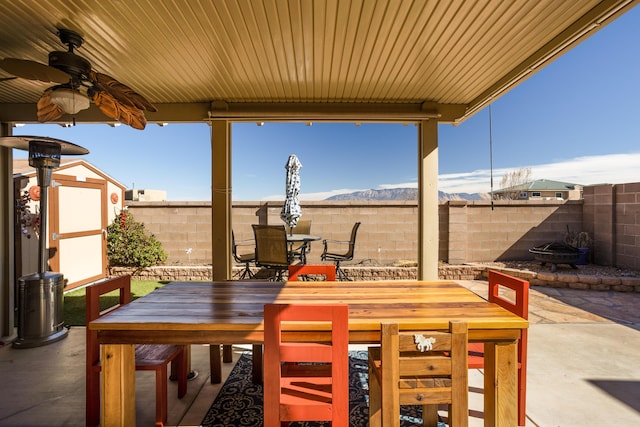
71	101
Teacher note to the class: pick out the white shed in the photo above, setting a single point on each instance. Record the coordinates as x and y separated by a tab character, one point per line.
82	202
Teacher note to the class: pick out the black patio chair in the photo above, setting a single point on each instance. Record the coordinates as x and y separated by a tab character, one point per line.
272	248
246	258
338	257
299	250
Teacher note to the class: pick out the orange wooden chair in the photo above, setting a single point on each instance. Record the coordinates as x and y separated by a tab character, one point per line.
316	391
419	368
148	356
520	307
328	270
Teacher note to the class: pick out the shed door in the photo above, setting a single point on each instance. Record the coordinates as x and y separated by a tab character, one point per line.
78	220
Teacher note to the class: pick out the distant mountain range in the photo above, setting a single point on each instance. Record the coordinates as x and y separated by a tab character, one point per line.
405	194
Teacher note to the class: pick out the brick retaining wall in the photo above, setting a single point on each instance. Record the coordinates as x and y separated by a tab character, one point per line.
572	280
455	272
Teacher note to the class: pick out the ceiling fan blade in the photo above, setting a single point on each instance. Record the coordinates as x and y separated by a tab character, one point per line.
33	70
122	92
47	110
112	108
132	117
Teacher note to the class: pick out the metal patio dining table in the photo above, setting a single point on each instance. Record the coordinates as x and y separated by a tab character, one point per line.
305	239
232	313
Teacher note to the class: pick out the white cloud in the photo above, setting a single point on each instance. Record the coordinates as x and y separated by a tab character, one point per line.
587	170
413	184
312	196
478	181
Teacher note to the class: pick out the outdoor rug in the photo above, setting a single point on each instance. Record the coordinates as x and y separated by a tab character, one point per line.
239	402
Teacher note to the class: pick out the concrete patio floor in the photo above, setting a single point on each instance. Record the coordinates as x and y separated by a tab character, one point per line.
583	370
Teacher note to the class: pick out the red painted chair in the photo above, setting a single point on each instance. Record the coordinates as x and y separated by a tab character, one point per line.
154	357
520	307
329	271
298	391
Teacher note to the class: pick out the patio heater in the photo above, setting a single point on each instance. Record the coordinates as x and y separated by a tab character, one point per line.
40	295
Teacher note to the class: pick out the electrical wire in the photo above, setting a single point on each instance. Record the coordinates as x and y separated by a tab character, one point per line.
491	153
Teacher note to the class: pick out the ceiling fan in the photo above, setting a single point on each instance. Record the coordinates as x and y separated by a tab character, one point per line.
78	86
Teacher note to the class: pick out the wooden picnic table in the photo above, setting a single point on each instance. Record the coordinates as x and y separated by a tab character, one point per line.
231	312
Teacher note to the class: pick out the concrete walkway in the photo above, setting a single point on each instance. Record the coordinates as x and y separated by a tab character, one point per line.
584	363
584	370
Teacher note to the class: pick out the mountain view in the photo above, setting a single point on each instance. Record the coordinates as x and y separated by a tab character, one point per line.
405	194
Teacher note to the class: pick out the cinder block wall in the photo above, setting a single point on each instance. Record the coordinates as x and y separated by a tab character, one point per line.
599	219
613	212
478	232
387	233
627	225
470	231
178	226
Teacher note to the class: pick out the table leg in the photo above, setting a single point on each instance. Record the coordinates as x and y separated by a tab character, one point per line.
215	363
118	385
501	384
258	368
227	353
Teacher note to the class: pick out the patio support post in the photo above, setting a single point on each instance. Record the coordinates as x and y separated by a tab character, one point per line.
7	256
221	199
428	200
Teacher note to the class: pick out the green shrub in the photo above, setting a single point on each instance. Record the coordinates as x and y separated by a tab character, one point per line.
129	246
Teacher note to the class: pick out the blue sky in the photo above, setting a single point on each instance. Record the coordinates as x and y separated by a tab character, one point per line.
576	120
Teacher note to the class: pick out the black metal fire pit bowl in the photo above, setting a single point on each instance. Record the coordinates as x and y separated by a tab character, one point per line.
556	253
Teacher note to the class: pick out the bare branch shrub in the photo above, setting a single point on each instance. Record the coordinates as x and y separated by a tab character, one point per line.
513	183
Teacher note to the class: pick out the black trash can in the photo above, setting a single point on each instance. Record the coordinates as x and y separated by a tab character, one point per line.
40	310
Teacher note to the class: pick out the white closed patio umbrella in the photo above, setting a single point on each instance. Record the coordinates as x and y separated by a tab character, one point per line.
291	211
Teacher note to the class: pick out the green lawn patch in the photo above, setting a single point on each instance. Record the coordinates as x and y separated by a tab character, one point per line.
74	301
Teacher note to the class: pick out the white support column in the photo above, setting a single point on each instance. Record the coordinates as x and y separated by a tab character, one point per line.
7	256
428	224
221	198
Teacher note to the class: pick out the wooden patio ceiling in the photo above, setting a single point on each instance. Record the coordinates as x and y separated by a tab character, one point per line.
306	59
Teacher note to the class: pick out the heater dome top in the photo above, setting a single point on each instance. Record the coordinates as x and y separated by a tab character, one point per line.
21	142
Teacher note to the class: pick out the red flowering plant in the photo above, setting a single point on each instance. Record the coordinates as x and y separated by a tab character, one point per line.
29	221
129	245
